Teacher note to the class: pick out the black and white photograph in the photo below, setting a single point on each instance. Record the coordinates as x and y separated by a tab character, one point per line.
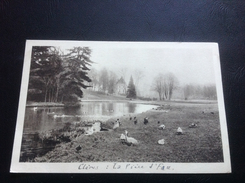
121	107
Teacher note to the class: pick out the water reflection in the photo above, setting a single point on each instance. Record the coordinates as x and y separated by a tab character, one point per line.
44	118
47	118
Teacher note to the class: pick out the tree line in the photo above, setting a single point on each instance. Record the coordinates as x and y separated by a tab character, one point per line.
103	80
165	84
109	82
192	91
56	76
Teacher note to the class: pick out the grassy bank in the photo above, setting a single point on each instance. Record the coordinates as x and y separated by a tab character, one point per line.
97	96
44	104
200	144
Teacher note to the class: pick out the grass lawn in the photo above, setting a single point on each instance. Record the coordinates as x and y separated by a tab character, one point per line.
200	144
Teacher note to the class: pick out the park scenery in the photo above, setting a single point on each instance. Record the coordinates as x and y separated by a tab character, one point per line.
121	103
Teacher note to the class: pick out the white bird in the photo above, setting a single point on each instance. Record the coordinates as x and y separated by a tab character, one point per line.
90	131
130	140
161	142
35	108
161	127
179	131
116	125
123	138
192	125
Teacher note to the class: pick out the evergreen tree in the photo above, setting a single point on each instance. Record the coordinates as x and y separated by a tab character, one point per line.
55	77
75	74
46	64
131	92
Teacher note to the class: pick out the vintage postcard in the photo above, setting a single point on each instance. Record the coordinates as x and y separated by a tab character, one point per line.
121	107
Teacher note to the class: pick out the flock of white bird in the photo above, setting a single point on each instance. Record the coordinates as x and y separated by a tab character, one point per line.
125	139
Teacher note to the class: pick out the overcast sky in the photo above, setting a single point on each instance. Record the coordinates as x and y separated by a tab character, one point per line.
190	63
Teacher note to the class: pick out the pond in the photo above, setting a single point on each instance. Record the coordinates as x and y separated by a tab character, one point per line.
39	119
47	118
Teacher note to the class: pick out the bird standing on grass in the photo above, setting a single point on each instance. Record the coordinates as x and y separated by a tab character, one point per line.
179	131
90	131
135	121
161	127
161	142
78	148
123	138
116	125
193	125
130	140
146	121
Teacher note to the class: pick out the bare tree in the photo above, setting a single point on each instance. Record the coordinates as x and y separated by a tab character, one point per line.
158	85
164	85
209	92
112	82
103	80
188	91
94	75
199	91
170	83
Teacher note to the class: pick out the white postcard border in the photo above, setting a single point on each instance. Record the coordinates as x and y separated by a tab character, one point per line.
118	167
